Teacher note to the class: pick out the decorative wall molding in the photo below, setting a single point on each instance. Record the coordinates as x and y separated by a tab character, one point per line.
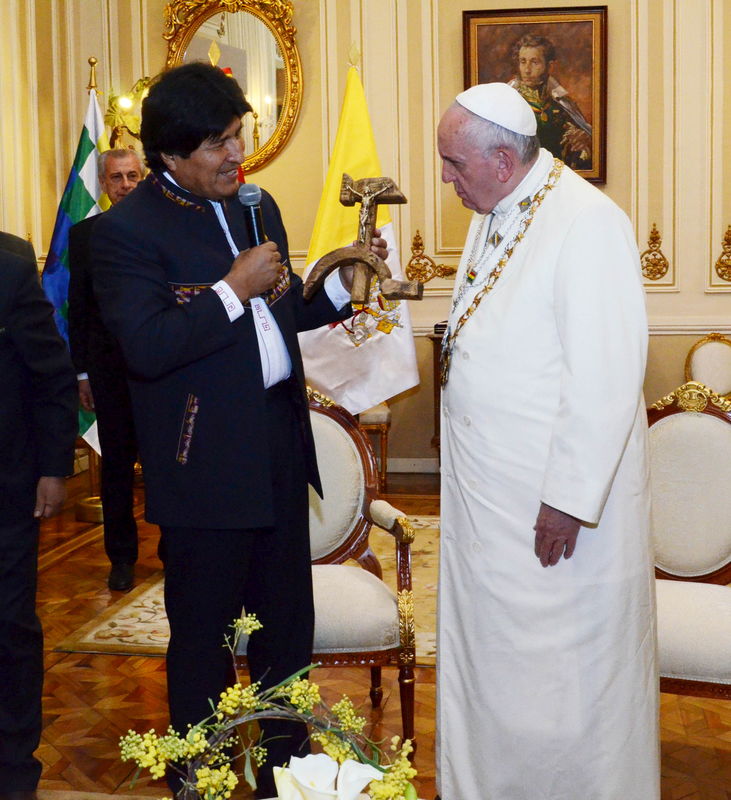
654	264
671	326
722	266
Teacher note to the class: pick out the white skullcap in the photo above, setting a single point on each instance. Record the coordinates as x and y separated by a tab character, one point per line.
501	104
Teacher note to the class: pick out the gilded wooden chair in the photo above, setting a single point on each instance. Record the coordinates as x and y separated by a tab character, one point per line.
377	420
690	476
709	362
359	619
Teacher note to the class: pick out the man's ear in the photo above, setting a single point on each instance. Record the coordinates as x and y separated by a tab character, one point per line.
169	162
505	165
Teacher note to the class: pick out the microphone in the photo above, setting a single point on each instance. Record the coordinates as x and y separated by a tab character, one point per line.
250	198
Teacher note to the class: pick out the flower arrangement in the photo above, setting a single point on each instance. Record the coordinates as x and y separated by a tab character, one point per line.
213	753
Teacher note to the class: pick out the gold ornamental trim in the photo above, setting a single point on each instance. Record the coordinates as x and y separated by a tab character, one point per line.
723	265
319	397
182	18
693	396
407	627
408	532
653	261
423	268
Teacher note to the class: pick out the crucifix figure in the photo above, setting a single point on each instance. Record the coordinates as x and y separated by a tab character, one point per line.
370	192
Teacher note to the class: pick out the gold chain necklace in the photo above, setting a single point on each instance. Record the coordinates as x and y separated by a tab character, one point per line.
445	356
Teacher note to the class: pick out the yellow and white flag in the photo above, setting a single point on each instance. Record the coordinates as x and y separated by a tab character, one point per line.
369	358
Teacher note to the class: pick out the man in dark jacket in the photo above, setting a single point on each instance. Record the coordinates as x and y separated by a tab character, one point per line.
208	324
102	376
38	427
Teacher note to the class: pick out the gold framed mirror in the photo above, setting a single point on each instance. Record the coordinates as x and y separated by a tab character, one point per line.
255	40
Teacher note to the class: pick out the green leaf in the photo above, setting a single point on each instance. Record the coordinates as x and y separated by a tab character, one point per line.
248	771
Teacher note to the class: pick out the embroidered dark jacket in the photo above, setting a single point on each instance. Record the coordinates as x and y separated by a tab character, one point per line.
195	377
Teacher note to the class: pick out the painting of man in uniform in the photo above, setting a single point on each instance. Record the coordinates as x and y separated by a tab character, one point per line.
556	62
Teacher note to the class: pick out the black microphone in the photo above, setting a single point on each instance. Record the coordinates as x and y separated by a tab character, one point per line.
250	199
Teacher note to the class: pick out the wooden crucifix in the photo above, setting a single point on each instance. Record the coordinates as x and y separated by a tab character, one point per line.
370	193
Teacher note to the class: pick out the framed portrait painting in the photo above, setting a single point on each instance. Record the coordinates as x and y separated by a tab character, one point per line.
557	59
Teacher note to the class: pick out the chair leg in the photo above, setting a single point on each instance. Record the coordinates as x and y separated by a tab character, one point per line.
376	692
384	457
406	687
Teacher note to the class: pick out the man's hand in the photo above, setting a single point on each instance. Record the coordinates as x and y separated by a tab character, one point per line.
556	534
254	271
379	246
50	496
86	398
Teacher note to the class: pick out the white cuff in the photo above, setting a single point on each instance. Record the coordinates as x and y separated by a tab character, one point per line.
231	303
82	376
338	294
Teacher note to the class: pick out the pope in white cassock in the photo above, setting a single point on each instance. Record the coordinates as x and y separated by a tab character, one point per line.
547	686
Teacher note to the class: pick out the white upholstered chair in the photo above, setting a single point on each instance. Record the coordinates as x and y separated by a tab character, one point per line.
359	619
690	469
709	362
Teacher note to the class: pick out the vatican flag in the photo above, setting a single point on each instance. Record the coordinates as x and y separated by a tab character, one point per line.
370	357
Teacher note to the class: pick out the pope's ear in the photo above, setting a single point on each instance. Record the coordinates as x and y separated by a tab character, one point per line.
505	165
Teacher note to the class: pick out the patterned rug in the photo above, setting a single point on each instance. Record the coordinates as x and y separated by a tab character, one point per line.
136	624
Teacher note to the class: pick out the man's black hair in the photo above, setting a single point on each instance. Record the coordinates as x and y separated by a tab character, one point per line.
187	105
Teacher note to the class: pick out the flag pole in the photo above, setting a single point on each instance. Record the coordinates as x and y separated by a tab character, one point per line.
92	74
89	508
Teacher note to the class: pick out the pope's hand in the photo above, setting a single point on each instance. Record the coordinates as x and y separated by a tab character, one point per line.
254	271
556	534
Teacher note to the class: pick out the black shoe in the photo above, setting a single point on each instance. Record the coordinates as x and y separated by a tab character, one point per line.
121	577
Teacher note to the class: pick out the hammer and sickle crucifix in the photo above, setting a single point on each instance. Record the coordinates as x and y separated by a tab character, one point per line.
370	192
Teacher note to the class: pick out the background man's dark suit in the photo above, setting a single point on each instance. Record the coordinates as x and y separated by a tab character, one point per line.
95	352
226	461
38	428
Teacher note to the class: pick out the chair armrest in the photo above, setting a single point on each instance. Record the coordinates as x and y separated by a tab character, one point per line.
392	520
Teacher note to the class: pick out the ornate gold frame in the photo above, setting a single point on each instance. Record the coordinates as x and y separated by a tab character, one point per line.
182	20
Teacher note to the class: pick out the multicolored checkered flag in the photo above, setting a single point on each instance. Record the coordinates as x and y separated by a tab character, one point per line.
81	198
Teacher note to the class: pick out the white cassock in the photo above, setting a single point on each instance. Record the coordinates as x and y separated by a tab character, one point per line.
547	685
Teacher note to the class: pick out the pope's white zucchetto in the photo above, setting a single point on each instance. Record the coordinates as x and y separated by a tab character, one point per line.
501	104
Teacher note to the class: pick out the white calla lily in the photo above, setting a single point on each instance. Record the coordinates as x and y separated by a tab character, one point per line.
353	777
286	787
315	776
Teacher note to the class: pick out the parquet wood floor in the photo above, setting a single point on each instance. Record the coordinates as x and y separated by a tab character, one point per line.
90	700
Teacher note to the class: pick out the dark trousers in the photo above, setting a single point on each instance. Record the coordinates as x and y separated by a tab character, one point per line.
211	574
21	654
119	454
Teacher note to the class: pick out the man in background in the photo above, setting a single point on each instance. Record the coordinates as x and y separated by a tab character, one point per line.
562	128
102	376
547	686
38	428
